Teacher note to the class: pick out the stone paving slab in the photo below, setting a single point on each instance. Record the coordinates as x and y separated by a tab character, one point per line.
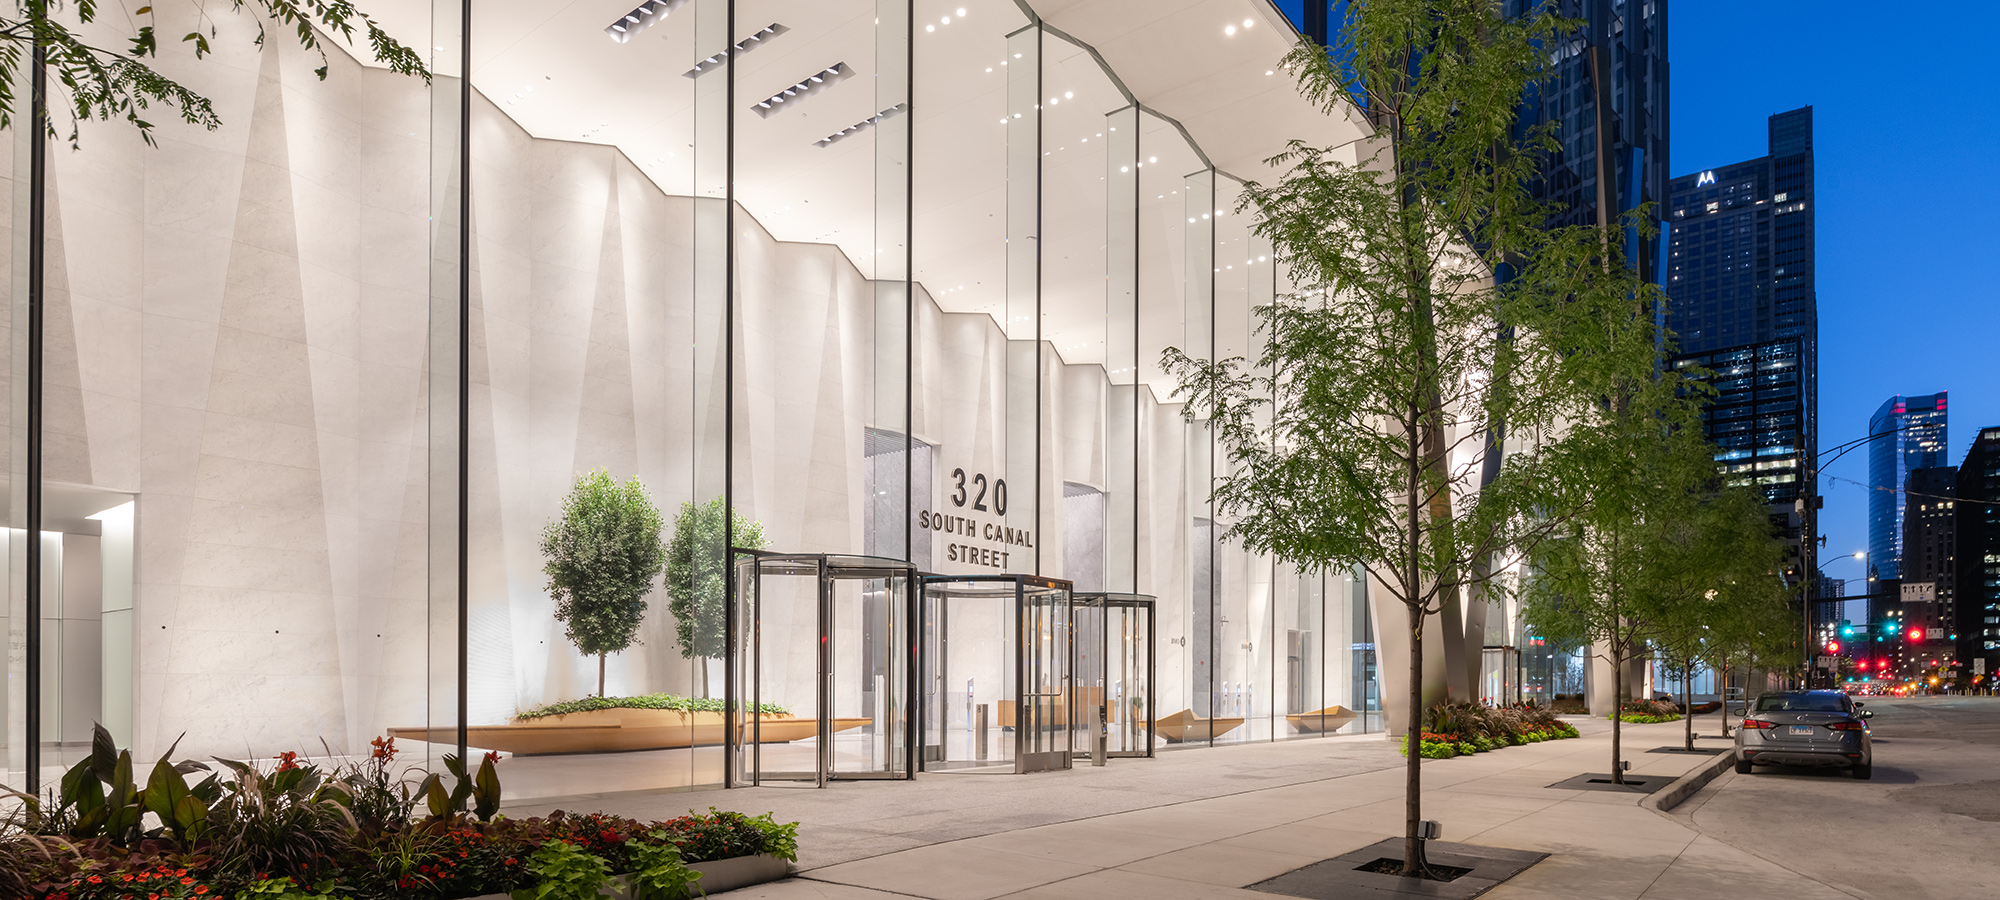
1140	828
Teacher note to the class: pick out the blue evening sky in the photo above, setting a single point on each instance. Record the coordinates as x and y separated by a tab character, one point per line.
1906	125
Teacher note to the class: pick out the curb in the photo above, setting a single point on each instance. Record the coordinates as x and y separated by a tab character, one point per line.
1686	786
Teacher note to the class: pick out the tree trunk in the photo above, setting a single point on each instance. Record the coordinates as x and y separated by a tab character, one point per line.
701	662
1725	698
600	676
1617	711
1687	701
1413	782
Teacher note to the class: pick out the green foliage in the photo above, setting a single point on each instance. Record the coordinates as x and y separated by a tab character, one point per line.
1646	718
276	889
1357	436
659	874
562	871
697	574
645	701
602	555
481	788
781	839
102	83
289	829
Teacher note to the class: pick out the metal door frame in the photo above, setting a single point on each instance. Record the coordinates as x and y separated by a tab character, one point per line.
829	569
1109	600
1047	760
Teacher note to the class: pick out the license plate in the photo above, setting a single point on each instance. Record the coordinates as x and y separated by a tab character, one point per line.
1802	730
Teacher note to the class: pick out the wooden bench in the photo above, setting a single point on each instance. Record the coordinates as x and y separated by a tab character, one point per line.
1186	726
1323	721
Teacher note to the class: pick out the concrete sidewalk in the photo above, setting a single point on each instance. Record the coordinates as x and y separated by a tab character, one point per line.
976	839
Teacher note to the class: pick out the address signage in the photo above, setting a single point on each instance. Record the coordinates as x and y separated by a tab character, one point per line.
976	539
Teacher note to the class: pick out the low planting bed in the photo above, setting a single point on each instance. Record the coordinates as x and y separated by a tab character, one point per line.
1464	729
1649	712
292	830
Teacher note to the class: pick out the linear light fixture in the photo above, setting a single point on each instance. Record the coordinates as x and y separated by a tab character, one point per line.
641	18
743	46
812	84
861	126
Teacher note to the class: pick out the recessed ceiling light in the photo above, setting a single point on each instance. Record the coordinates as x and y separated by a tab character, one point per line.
1230	30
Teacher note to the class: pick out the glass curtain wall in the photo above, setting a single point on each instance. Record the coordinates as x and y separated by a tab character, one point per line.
889	277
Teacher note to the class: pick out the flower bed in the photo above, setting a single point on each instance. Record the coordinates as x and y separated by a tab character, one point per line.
1464	729
1649	712
294	831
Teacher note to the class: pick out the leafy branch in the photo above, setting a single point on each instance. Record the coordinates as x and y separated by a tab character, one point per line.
100	83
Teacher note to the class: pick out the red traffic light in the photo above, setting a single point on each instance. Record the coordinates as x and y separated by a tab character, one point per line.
1832	648
1916	634
1861	664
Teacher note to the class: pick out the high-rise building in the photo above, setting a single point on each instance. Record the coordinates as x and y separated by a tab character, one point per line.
1741	304
1977	504
1607	96
1910	433
1928	565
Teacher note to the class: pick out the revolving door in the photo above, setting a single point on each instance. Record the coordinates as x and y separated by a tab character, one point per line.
996	659
822	669
1114	671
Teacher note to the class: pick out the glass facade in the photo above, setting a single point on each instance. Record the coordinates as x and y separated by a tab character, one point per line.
1915	434
292	402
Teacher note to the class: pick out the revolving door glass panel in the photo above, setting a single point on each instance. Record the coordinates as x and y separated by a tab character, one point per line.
1114	670
822	665
996	658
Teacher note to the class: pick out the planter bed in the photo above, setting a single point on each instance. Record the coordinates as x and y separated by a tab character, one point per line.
716	876
368	829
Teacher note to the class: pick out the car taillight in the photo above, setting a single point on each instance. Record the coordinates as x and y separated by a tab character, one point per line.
1847	726
1754	724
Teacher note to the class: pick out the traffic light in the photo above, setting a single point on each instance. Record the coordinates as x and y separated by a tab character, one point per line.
1916	634
1833	648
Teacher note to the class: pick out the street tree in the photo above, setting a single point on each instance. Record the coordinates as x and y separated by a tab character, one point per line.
697	578
90	80
1366	431
603	554
1719	586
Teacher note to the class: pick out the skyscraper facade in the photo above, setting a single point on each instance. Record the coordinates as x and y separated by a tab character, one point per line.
1741	304
1929	530
1977	504
1607	95
1913	435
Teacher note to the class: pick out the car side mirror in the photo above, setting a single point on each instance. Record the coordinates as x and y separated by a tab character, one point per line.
1866	714
1858	704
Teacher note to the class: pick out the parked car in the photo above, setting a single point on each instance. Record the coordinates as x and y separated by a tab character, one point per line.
1806	728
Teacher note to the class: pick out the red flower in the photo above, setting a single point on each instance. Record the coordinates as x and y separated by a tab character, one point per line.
385	749
493	756
287	761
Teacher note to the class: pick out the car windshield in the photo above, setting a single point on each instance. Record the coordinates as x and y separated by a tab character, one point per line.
1800	703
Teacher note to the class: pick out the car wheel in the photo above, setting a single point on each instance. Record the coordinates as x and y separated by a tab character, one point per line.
1742	767
1864	771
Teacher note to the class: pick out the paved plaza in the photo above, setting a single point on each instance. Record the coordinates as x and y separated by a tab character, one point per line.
1205	823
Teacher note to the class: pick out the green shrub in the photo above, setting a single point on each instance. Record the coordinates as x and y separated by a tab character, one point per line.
563	871
645	701
659	874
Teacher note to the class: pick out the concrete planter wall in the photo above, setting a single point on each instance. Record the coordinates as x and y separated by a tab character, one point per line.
716	876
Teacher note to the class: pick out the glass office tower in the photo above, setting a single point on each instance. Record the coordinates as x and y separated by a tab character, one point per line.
292	401
1914	434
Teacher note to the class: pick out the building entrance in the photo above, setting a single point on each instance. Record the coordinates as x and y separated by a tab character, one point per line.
997	656
1114	672
822	669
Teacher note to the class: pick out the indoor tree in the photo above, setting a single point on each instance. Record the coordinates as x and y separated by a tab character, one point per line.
698	578
89	81
602	555
1366	432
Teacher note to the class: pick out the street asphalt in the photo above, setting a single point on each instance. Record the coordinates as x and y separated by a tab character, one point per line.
1926	827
